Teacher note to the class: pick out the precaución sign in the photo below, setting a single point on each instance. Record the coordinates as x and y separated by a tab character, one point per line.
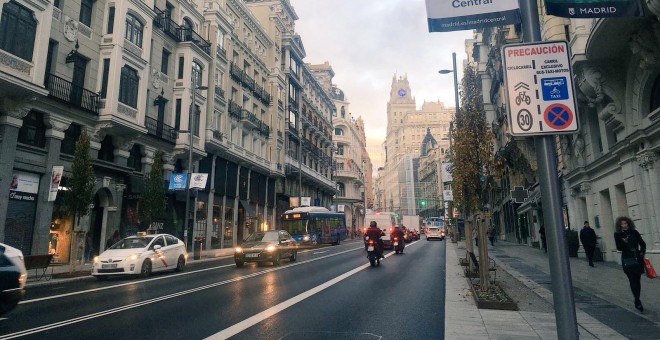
540	90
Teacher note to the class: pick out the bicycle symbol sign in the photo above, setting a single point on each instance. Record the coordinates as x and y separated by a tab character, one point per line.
558	116
525	120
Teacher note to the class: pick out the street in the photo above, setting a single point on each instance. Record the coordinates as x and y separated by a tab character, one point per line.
327	293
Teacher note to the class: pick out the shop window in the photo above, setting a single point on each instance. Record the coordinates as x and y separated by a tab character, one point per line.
71	136
18	28
33	130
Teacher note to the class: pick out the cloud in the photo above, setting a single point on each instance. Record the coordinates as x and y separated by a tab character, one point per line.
367	42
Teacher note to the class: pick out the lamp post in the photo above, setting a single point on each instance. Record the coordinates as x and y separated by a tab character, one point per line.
451	122
193	93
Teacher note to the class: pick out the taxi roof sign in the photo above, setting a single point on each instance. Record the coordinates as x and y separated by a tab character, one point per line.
540	90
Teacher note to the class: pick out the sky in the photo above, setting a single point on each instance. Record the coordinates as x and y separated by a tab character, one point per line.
366	42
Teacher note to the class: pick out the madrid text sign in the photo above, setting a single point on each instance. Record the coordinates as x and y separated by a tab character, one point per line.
540	90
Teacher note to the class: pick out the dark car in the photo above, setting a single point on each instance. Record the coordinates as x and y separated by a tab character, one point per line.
266	246
12	277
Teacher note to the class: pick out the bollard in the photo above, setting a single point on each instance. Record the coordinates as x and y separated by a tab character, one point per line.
197	248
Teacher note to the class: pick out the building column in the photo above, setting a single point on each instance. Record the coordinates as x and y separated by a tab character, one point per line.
121	151
651	184
43	218
10	122
148	158
234	234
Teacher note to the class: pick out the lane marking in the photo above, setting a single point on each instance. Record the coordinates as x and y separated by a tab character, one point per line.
320	252
136	282
91	316
257	318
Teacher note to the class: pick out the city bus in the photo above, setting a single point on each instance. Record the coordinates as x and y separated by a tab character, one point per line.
315	225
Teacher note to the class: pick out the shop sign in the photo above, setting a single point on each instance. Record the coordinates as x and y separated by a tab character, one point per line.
24	186
594	9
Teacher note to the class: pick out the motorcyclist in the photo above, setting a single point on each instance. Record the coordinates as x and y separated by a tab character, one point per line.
398	232
373	233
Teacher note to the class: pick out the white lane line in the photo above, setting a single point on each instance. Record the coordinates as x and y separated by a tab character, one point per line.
320	252
131	283
158	299
255	319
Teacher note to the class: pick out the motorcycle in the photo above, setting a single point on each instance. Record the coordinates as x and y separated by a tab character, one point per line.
372	254
398	245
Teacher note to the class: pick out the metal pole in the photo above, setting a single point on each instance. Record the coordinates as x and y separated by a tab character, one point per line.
190	153
451	123
546	156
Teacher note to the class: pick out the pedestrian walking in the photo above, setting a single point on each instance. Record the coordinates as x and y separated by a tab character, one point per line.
589	240
491	236
543	242
632	247
89	247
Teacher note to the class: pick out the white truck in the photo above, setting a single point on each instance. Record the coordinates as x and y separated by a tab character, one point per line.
411	222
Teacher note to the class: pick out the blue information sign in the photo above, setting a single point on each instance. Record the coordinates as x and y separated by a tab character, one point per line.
178	181
554	88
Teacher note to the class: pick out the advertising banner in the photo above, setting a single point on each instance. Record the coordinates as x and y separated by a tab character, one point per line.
594	9
294	202
198	181
459	15
178	181
448	195
24	186
446	174
305	201
55	179
340	208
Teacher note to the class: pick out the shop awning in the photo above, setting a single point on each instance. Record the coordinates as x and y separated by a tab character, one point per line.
249	212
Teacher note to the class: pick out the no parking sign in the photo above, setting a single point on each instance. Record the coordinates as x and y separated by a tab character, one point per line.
540	90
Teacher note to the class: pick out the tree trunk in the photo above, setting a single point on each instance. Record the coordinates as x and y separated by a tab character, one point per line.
483	255
469	239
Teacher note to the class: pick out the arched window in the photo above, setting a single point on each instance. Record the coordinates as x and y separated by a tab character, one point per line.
135	158
128	86
339	132
655	95
18	28
134	28
196	74
33	130
342	189
188	27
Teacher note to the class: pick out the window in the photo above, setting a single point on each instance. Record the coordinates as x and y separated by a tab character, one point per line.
33	130
181	61
177	115
340	149
133	29
655	95
52	48
107	151
339	132
342	189
165	61
128	86
196	76
292	119
86	12
104	79
71	136
111	20
196	118
17	30
135	158
57	3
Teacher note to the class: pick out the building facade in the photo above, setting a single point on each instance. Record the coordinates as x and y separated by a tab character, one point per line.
607	169
141	77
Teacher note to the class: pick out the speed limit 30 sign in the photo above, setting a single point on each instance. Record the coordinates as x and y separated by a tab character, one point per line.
540	90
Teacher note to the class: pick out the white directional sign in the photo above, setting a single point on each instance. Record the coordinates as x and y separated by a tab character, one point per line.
540	90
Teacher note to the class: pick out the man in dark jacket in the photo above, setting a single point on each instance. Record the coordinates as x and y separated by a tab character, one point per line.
374	234
589	240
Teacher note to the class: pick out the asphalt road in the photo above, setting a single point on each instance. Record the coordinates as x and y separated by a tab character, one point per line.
328	293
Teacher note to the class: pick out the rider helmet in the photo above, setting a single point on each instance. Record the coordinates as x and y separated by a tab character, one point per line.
373	224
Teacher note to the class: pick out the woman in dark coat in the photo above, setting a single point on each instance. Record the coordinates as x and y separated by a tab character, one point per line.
632	247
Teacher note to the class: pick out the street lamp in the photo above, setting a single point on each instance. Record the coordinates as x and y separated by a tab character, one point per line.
451	122
193	94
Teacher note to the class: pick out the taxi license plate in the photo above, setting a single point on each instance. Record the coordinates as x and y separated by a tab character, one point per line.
109	266
370	248
396	243
251	255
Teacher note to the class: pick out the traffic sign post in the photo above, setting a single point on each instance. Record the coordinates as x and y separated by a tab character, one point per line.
540	89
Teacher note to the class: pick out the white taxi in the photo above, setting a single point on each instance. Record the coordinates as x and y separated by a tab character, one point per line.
141	255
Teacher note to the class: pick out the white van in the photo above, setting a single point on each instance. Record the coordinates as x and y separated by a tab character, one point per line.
386	222
435	228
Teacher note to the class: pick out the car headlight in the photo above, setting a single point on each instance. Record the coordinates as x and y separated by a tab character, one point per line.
270	248
21	280
238	250
306	238
96	259
132	257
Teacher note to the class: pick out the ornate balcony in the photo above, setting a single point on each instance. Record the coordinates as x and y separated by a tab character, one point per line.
234	110
160	130
219	92
180	33
220	52
235	72
78	96
250	119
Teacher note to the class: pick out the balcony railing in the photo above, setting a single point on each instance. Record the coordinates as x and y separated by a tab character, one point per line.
217	135
180	33
234	110
219	92
235	72
251	118
161	130
220	51
75	95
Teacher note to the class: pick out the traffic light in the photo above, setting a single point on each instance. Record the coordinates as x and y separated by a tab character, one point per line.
422	203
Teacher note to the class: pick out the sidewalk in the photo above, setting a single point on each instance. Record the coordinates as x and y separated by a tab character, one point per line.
602	296
60	273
